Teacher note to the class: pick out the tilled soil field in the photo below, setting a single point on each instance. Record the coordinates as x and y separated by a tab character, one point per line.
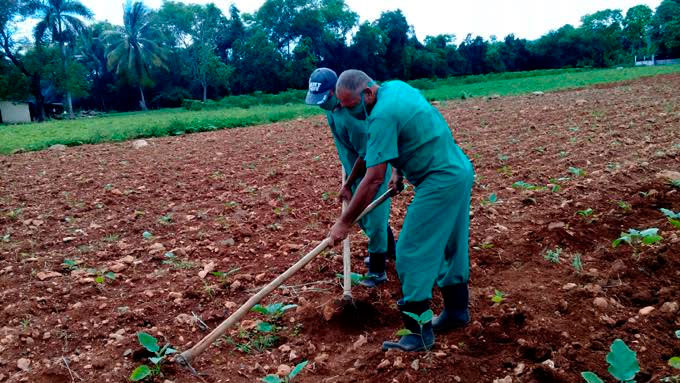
100	242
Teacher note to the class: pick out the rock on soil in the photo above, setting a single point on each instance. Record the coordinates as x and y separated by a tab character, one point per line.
600	302
138	144
47	275
58	147
670	307
23	364
647	310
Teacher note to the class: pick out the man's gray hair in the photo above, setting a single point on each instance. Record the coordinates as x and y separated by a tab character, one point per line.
353	80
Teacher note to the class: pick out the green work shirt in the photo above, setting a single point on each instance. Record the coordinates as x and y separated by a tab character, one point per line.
350	137
408	132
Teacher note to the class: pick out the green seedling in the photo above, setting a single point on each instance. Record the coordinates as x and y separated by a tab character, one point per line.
586	213
70	264
112	238
273	311
553	255
223	276
634	237
578	172
271	378
108	187
677	334
147	235
673	217
676	183
497	297
166	219
355	278
505	170
557	183
624	205
102	275
422	320
525	186
674	362
325	196
6	238
576	263
487	245
493	198
14	214
503	157
161	353
623	364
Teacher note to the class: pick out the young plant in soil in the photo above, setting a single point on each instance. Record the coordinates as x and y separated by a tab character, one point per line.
576	263
421	319
493	198
673	217
498	297
70	264
271	378
525	186
223	276
102	275
553	255
578	172
151	344
623	364
264	335
172	260
676	183
355	279
636	238
624	205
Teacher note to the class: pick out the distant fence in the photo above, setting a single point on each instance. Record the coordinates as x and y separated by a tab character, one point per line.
646	61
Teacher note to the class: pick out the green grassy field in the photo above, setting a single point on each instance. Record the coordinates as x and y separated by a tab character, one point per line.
222	114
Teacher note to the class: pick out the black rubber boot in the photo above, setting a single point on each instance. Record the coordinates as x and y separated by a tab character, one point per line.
455	314
376	270
391	248
421	338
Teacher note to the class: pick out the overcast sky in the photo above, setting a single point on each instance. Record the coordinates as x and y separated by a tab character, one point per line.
528	19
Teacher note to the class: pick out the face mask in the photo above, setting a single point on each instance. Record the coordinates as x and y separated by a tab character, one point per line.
358	111
330	103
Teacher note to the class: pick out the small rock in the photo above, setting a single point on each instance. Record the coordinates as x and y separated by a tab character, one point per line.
519	370
285	348
127	352
23	364
47	275
384	364
138	144
118	267
260	277
360	342
230	305
127	260
58	147
415	365
398	362
581	102
175	295
149	293
618	267
235	286
556	225
68	239
206	269
668	175
647	310
474	330
507	379
593	288
156	248
600	303
670	307
292	356
569	286
283	370
549	363
184	319
117	337
321	358
47	335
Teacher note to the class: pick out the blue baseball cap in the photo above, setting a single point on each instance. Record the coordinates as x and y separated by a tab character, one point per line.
321	82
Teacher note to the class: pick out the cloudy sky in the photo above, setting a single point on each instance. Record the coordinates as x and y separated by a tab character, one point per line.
525	18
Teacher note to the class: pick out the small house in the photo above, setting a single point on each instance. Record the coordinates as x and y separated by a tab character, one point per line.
14	112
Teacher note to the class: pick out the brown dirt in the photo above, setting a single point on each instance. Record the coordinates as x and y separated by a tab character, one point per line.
255	198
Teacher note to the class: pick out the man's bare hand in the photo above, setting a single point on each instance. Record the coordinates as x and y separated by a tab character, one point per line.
345	194
339	232
396	183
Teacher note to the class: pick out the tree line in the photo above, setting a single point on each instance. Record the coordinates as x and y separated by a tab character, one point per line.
186	51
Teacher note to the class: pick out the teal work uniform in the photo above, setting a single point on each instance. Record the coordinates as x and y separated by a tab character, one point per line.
408	132
350	141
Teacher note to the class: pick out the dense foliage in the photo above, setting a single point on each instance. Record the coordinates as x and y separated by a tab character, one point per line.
187	51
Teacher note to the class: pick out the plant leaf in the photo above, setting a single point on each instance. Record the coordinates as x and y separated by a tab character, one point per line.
140	373
412	315
170	350
674	362
99	279
677	334
617	242
297	370
426	317
287	307
493	198
260	309
272	379
111	275
591	377
265	327
156	359
404	332
623	364
651	239
149	342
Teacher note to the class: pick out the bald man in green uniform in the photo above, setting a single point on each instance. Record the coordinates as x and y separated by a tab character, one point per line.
350	138
404	130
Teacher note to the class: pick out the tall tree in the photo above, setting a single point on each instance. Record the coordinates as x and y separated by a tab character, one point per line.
133	50
666	28
637	25
62	19
396	28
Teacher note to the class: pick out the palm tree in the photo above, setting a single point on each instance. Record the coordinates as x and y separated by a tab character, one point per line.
62	18
133	50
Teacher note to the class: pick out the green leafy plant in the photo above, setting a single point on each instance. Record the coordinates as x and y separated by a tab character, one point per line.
421	319
6	238
525	186
166	219
147	235
503	157
578	172
102	275
586	213
271	378
673	217
623	364
553	255
624	205
223	276
498	296
355	278
325	196
634	237
151	344
576	263
493	198
676	183
172	260
70	264
557	183
674	362
273	311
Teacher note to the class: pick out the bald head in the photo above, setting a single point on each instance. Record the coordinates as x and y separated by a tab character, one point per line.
353	80
351	85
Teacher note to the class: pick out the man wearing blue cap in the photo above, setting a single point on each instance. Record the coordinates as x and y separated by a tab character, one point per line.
350	137
405	131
